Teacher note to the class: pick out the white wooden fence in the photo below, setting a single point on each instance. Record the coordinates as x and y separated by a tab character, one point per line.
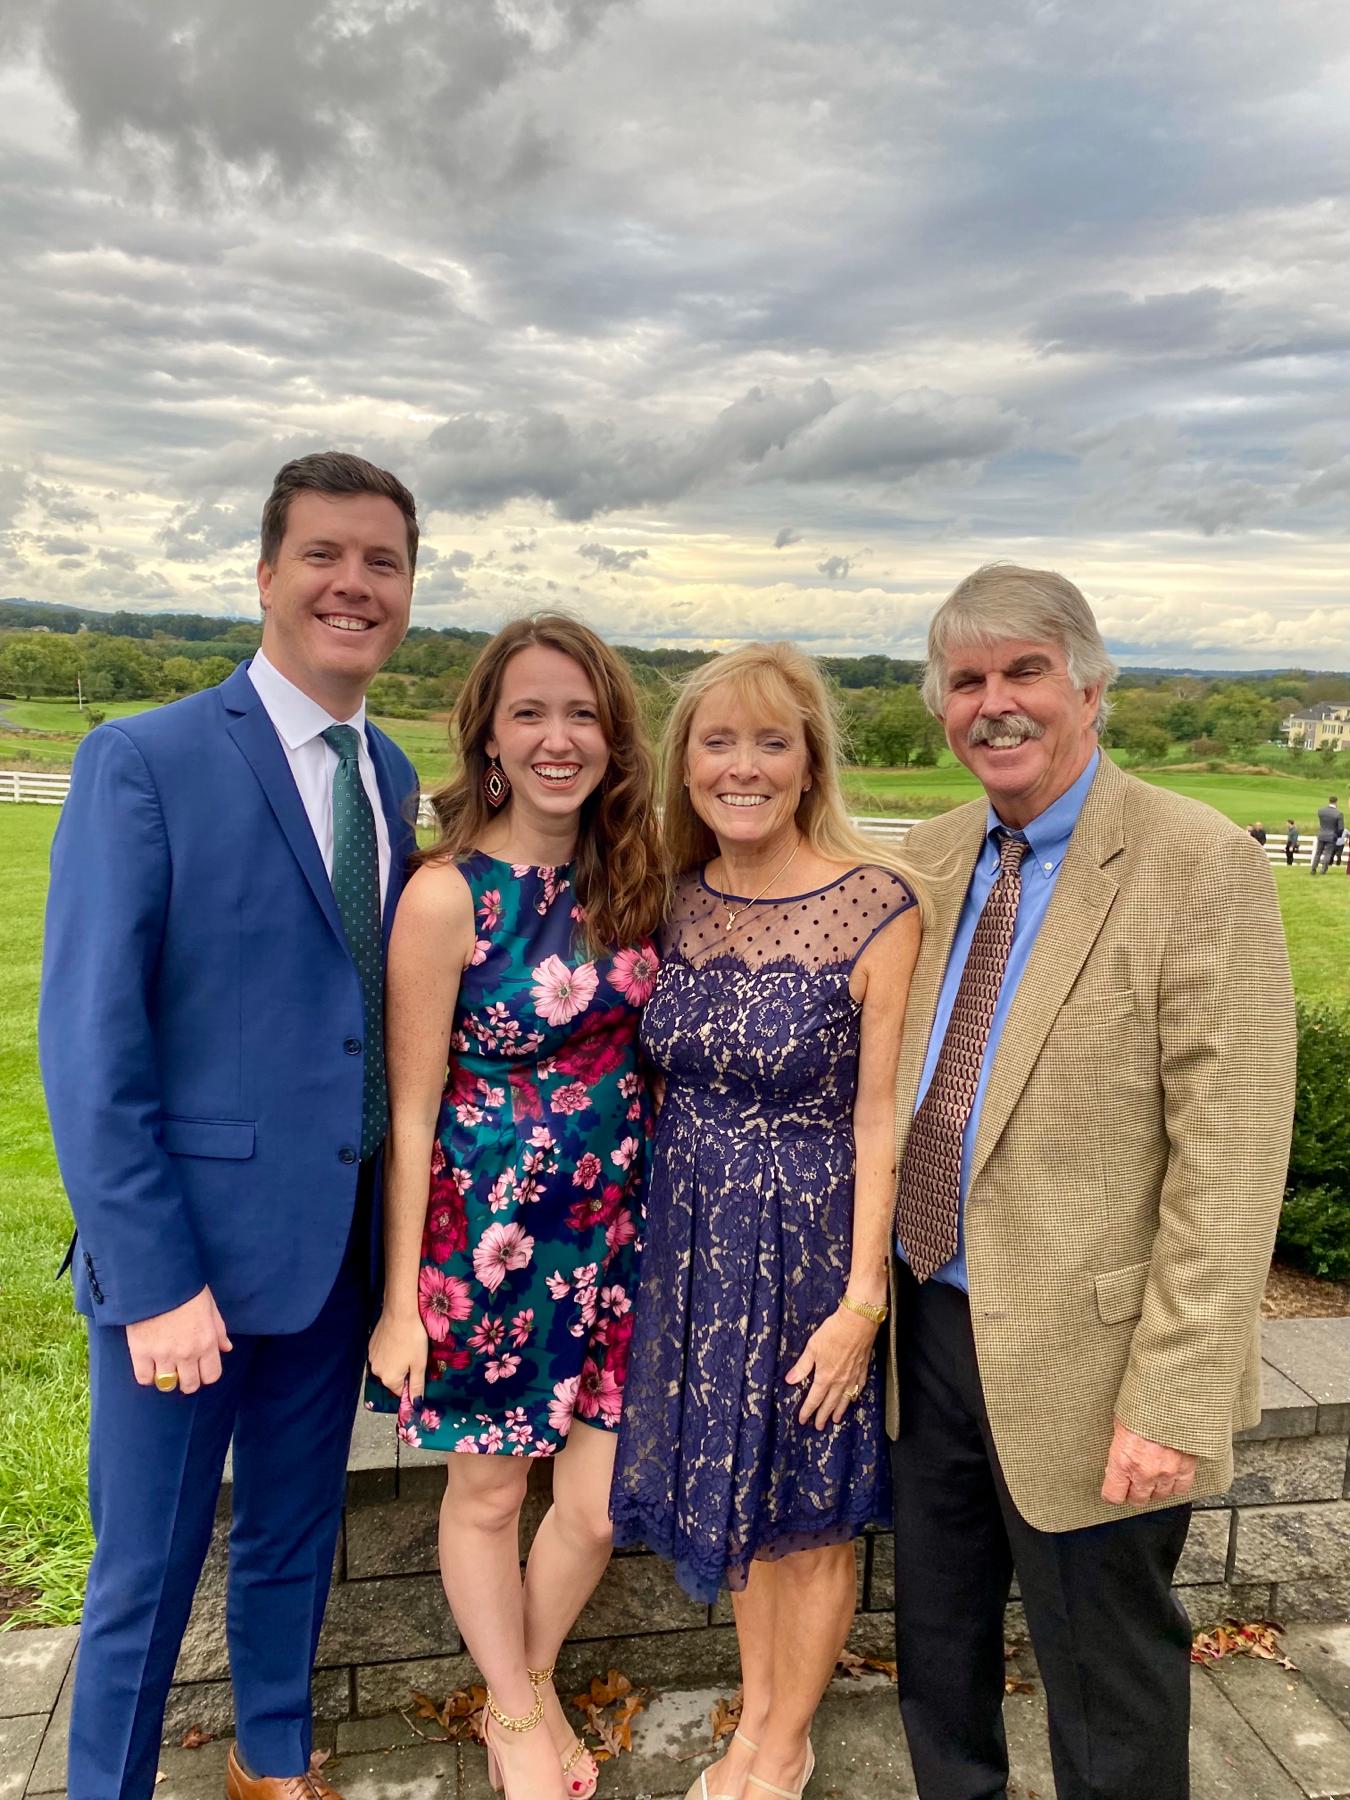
42	788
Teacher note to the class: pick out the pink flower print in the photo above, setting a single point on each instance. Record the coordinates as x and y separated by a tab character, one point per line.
633	973
526	1100
490	909
604	1043
634	1112
491	1097
620	1231
587	1171
437	1158
492	1439
468	1114
598	1392
528	1191
502	1368
586	1274
501	1194
561	992
487	1334
480	951
615	1300
570	1099
578	915
459	1042
465	1446
563	1405
405	1428
431	1419
628	1085
441	1299
501	1247
518	1427
625	1153
558	1286
521	1327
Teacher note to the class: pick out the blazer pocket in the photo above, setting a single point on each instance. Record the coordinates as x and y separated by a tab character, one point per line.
231	1139
1120	1294
1098	1012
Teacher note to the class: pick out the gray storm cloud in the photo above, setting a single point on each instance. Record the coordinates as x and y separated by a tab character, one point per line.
948	280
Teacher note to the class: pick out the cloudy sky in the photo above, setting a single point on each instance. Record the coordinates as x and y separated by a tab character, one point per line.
707	318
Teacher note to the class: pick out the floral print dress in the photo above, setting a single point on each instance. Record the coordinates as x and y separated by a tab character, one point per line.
534	1215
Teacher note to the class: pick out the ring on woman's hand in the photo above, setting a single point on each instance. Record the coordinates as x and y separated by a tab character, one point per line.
167	1383
854	1393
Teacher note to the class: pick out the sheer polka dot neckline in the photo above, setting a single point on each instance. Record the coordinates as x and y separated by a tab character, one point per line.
827	926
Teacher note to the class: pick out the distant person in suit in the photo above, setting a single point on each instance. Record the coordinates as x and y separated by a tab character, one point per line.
1257	831
1093	1111
1330	826
1290	842
223	879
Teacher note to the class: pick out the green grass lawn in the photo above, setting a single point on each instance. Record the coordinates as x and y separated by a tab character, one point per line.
44	1533
63	715
44	1405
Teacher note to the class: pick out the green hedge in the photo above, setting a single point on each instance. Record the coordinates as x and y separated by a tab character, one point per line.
1315	1223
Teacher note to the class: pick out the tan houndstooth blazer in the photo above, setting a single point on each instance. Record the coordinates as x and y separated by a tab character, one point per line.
1131	1151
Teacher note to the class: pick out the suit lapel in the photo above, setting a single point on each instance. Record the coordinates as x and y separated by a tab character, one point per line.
254	733
1083	896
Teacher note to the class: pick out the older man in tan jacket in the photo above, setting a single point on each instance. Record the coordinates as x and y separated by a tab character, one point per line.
1094	1106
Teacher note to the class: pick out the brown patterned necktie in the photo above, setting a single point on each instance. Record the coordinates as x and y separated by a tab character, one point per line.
930	1176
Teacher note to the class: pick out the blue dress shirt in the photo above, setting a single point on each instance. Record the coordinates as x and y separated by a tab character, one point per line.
1048	837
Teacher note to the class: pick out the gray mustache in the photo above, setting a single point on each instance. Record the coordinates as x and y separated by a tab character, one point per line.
1012	725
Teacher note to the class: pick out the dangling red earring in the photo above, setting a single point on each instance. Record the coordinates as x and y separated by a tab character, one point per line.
496	788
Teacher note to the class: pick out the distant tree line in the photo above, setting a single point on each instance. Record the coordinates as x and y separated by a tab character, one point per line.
1157	714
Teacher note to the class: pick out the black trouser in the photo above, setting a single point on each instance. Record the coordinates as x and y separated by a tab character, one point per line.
1111	1640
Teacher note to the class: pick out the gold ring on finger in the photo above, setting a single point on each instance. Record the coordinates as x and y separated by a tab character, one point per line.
854	1392
167	1383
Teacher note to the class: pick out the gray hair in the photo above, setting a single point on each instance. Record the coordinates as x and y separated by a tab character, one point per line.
1002	601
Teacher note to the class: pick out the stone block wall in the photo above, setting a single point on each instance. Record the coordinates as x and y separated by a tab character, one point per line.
1277	1545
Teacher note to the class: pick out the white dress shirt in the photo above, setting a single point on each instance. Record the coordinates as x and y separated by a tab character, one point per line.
298	720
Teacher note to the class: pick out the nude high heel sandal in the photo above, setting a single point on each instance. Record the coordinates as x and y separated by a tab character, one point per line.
701	1790
787	1793
581	1782
525	1722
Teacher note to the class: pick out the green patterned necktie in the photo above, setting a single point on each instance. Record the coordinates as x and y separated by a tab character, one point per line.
356	888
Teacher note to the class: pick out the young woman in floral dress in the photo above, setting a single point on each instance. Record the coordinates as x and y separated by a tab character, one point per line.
521	956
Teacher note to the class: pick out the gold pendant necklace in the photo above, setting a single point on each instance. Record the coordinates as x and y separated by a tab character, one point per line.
734	913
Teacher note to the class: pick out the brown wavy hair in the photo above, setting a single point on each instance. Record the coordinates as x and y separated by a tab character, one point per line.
773	681
620	873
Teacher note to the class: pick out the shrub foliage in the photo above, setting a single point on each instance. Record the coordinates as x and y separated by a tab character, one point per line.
1315	1222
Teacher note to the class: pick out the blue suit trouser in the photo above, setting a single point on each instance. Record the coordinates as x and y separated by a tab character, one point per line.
155	1465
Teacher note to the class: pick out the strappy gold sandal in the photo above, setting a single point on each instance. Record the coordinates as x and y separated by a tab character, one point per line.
525	1722
581	1784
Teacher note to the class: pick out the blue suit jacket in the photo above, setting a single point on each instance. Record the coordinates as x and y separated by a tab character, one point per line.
201	1022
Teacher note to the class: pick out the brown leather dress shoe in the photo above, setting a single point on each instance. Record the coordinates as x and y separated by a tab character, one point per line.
309	1786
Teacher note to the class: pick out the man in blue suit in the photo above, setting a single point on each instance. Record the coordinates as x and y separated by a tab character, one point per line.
223	880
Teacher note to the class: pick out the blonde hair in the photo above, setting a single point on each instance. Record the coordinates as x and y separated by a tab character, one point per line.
620	871
772	681
1003	600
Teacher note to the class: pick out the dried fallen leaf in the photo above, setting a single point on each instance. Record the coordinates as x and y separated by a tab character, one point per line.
1013	1684
194	1737
609	1707
1234	1637
856	1666
459	1715
725	1717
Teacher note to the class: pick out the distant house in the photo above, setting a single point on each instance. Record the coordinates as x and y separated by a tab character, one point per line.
1317	726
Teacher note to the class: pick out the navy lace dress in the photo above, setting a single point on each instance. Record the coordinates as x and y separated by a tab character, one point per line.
750	1216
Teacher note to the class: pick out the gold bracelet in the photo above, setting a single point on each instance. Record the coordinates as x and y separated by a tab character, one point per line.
875	1315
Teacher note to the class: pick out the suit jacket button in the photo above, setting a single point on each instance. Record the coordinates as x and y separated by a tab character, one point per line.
346	1154
352	1046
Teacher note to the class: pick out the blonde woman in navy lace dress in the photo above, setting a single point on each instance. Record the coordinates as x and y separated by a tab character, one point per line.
751	1448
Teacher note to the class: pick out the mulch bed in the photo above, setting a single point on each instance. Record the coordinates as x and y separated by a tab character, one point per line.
1290	1294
